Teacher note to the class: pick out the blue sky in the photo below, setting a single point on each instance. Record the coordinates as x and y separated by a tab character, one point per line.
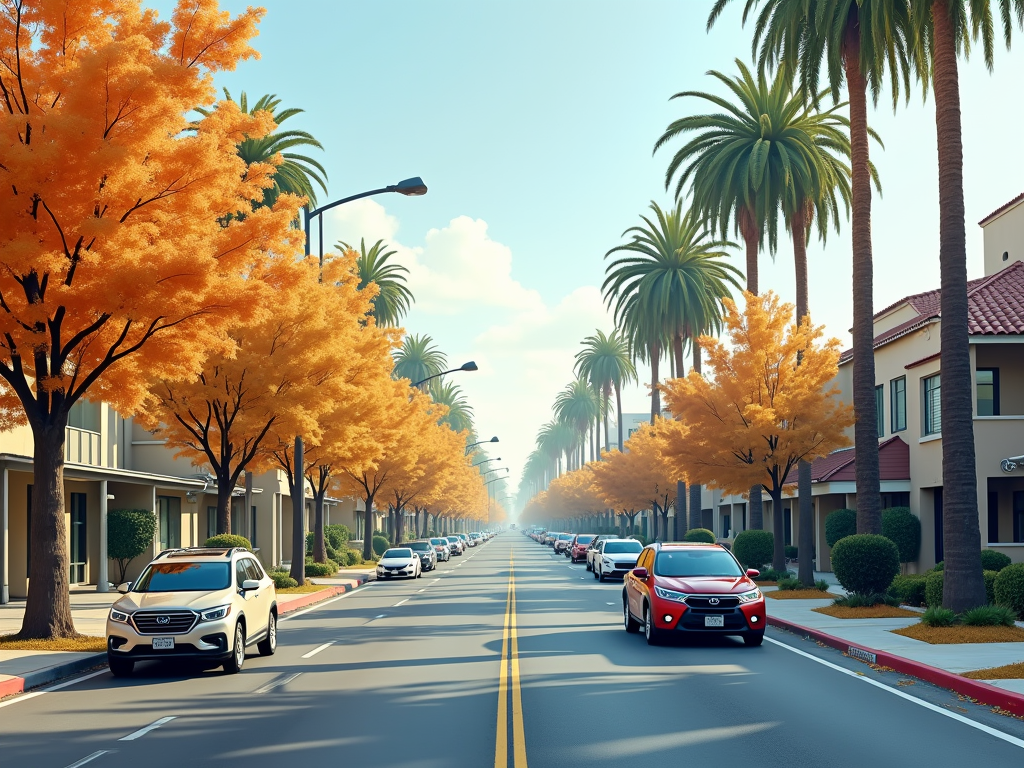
533	124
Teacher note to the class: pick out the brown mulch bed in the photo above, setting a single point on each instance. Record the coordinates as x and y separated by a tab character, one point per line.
766	583
304	589
80	644
800	594
1006	672
962	634
867	612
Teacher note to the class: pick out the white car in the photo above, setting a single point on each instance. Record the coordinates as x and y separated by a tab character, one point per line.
399	561
614	557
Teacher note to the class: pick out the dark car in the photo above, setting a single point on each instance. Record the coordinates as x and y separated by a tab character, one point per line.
426	553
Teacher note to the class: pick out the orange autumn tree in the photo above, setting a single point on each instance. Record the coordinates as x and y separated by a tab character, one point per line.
620	479
121	259
656	472
760	412
575	493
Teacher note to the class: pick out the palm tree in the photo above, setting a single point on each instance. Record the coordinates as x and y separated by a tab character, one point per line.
555	440
393	298
460	412
605	362
859	42
419	359
296	174
577	406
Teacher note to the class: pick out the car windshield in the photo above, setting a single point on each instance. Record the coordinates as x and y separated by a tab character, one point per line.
396	554
622	547
696	562
581	540
453	539
438	542
184	577
419	546
564	536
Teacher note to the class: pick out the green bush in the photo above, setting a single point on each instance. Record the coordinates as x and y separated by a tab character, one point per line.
227	540
789	583
338	535
909	589
902	528
989	616
770	574
321	570
283	580
990	586
933	589
380	543
937	616
754	548
1009	588
821	585
383	535
865	563
939	566
994	561
353	558
791	552
130	533
335	555
701	535
866	600
840	524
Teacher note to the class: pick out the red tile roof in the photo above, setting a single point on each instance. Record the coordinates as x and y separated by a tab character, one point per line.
893	463
1000	209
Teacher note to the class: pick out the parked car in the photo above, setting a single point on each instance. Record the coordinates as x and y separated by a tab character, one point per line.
465	541
476	539
593	546
692	588
578	546
205	604
399	562
442	548
614	557
426	553
455	544
562	542
549	538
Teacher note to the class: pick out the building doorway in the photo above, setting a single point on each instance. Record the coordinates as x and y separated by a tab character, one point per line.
169	520
937	494
79	551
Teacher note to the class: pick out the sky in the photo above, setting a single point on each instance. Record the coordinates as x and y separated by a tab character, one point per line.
533	124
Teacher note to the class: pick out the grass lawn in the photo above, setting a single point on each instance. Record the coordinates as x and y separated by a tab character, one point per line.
1006	672
304	589
800	594
80	644
867	612
962	634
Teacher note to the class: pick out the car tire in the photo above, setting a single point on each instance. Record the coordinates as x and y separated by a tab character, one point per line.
753	639
234	664
651	632
589	567
268	645
632	625
120	667
596	577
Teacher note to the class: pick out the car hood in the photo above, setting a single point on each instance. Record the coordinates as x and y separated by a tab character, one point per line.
708	585
622	557
197	601
393	562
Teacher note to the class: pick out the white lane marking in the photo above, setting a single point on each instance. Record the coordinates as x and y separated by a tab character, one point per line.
275	684
378	617
33	694
421	590
324	647
920	702
89	758
609	603
400	602
151	727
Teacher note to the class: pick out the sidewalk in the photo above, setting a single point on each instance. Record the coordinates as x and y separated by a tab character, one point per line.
939	664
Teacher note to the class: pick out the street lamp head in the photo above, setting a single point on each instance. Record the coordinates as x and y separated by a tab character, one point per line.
413	187
493	439
470	366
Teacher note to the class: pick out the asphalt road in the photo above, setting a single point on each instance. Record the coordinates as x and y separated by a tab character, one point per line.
457	669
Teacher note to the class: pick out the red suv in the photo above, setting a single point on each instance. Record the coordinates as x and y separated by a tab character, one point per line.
578	548
692	588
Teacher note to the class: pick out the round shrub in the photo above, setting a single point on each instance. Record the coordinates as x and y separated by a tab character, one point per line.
791	552
909	589
380	543
933	589
283	580
754	548
130	533
939	566
227	540
840	524
936	616
790	584
990	586
321	569
994	561
700	534
865	563
338	535
1009	588
353	558
902	528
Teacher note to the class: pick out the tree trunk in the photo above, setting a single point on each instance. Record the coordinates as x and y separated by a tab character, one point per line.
48	607
297	489
751	233
607	406
696	367
778	530
618	412
680	520
964	586
755	513
224	489
869	500
677	353
319	541
655	392
695	506
368	527
805	537
654	523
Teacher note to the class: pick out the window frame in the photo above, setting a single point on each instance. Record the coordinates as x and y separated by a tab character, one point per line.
893	400
880	409
927	426
995	391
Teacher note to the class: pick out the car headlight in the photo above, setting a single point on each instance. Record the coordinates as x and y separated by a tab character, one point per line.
215	614
670	594
121	616
751	596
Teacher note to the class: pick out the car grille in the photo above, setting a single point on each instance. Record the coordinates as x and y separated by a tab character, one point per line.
705	602
694	620
153	622
624	566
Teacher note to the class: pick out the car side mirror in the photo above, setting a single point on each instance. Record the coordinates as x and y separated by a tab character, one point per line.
249	585
753	573
640	573
125	588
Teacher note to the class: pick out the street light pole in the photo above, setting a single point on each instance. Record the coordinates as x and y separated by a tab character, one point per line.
470	366
472	445
486	460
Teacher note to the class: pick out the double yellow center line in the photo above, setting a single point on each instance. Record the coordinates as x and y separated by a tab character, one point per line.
509	678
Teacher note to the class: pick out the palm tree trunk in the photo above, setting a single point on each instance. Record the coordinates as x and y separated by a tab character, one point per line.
964	586
618	411
655	392
677	353
869	500
696	367
607	405
752	241
805	536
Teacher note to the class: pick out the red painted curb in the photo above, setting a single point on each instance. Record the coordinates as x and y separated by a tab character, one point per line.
981	692
317	597
12	686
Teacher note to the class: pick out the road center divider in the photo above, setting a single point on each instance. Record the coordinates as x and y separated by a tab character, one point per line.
508	682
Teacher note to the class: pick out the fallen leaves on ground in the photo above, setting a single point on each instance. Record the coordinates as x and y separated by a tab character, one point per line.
800	594
867	612
1005	672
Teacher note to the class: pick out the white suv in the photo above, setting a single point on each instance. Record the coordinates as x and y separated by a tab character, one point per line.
206	604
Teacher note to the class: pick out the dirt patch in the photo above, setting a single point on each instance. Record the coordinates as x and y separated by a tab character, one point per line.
800	594
961	634
867	612
80	644
1006	672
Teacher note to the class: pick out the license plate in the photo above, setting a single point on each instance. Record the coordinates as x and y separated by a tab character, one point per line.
714	621
163	643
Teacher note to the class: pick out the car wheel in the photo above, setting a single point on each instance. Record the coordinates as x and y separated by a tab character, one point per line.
234	664
120	667
753	639
419	574
268	645
589	566
632	625
651	632
594	571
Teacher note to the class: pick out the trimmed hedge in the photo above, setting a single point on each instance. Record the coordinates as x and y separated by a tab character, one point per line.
380	543
994	561
228	540
1009	588
700	535
903	529
283	580
865	563
321	569
840	524
338	535
791	552
909	589
990	586
353	558
130	533
933	589
754	548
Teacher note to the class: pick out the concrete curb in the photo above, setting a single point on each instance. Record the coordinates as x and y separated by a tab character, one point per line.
14	685
983	693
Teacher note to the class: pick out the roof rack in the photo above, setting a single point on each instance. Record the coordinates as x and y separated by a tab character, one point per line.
201	552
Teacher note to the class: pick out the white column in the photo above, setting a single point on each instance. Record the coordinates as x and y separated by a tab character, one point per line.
103	578
4	547
279	533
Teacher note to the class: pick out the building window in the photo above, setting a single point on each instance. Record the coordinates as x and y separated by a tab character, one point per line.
932	406
211	522
880	410
986	383
898	403
1018	517
79	546
85	415
169	521
28	534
